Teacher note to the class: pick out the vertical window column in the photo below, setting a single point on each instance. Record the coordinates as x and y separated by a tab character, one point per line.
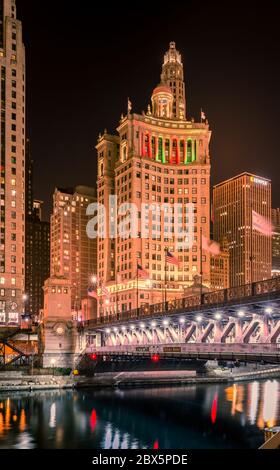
142	144
149	145
177	151
157	148
163	158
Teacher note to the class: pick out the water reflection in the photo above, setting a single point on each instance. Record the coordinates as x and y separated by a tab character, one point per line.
212	416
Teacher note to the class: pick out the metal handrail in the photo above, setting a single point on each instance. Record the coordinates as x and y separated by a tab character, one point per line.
188	303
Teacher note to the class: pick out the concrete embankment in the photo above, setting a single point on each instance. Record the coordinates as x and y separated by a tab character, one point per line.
16	382
13	382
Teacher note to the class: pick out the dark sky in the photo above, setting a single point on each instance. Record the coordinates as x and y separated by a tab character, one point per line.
84	59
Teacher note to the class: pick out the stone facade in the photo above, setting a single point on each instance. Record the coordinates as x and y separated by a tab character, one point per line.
156	158
12	163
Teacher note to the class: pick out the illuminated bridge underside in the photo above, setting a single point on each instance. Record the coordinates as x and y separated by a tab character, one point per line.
227	352
244	315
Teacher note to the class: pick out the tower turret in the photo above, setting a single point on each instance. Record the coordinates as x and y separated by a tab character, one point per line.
173	76
162	100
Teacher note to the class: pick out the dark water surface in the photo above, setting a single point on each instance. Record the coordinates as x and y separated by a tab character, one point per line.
196	416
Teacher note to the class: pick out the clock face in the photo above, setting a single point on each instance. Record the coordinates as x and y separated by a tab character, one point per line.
60	330
13	306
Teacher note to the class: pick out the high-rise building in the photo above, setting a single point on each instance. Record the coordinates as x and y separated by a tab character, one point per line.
73	253
219	271
275	217
233	203
12	180
37	257
156	158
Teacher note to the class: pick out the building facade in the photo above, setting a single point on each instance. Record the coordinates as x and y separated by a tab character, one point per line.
275	242
12	178
219	271
73	253
233	203
37	256
157	159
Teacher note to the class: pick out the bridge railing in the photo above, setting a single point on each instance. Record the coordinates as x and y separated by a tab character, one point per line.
188	303
251	348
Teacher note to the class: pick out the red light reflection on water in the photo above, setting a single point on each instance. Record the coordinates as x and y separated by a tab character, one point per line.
156	445
93	420
214	408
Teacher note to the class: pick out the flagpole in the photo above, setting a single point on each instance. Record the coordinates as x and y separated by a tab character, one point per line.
165	278
137	290
251	248
201	265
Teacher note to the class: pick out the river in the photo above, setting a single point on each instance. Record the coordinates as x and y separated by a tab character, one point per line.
189	417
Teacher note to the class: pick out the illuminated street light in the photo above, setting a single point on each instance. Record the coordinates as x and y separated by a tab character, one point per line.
241	314
142	325
132	327
165	322
123	328
107	302
218	316
182	321
115	330
24	297
153	324
94	279
268	310
108	331
199	318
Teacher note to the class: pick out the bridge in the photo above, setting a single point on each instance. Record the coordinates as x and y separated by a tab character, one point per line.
240	323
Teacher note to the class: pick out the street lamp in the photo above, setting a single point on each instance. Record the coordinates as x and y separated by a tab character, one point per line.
94	279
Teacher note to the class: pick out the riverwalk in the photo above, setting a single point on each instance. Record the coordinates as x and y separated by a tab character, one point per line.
16	381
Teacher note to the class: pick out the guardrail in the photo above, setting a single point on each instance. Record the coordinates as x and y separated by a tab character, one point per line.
231	294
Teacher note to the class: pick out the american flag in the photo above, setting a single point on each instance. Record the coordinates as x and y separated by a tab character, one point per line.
171	259
210	246
141	272
105	291
261	224
92	293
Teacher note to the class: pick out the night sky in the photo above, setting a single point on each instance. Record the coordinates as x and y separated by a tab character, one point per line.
85	59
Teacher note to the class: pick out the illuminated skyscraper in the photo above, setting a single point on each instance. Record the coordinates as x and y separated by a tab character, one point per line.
275	216
156	158
73	253
233	203
12	181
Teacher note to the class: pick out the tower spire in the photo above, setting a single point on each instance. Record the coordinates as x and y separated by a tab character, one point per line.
173	76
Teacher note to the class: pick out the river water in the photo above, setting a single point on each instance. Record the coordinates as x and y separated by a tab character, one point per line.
189	417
